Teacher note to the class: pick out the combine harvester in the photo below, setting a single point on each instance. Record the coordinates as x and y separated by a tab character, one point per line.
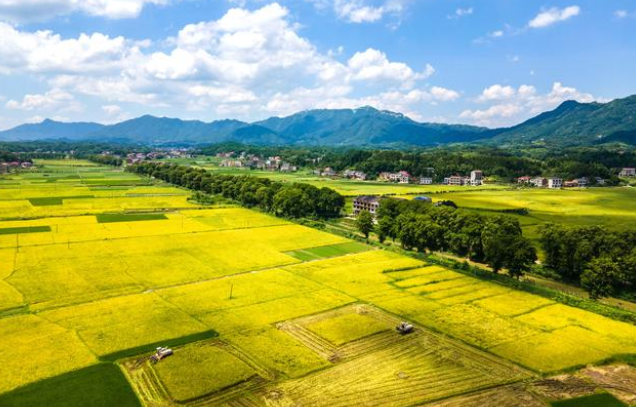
404	328
161	353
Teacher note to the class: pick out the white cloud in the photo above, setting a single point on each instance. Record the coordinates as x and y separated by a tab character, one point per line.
363	11
511	105
249	63
443	94
373	65
46	52
38	10
54	98
497	92
460	12
554	15
620	14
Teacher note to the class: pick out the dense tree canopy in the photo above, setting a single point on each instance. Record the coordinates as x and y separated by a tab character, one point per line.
495	240
290	200
602	260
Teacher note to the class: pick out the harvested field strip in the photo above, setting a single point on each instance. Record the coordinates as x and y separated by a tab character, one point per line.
145	382
314	342
325	252
128	217
55	200
507	396
402	375
25	229
595	400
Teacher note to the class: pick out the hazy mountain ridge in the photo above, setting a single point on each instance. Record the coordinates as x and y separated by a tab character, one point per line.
570	123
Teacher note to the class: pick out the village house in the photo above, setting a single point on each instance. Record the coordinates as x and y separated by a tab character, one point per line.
524	180
401	177
287	167
426	180
456	180
555	183
328	172
627	172
351	174
231	164
539	182
367	203
476	178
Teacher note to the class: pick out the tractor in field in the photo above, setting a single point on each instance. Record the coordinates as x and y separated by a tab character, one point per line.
161	353
404	328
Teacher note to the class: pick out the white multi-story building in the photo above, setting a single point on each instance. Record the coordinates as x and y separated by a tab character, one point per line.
628	172
366	203
539	182
555	183
426	180
476	178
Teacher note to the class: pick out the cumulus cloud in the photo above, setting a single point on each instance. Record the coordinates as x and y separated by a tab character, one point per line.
460	12
54	98
249	63
38	10
363	11
510	105
46	52
553	15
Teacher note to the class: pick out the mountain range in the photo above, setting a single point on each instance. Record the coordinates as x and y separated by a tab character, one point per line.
571	123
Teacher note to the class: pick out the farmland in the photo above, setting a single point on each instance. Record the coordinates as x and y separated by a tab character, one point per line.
259	310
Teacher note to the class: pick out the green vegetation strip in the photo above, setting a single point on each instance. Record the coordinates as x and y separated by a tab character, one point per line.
139	350
24	229
101	385
56	200
594	400
128	217
325	252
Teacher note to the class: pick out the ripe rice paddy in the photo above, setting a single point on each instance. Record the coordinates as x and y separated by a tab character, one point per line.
303	317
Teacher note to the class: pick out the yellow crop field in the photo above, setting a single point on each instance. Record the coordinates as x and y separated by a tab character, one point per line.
215	369
33	348
105	279
125	322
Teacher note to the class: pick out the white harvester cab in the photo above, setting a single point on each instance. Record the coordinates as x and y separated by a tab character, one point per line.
404	328
161	353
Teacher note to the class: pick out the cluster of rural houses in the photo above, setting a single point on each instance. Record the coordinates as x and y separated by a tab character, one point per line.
133	158
6	167
254	161
403	177
475	179
556	183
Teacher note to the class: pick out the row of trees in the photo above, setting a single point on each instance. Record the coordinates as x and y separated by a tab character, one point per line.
601	260
288	200
494	240
107	159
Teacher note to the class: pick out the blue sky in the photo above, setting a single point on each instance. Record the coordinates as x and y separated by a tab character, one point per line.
490	63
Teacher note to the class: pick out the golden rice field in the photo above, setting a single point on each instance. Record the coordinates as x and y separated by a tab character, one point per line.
77	292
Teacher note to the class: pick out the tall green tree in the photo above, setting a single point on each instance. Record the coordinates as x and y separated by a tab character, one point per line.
600	277
364	223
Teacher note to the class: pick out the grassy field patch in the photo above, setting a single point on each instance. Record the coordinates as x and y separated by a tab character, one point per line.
24	229
128	217
594	400
324	252
55	200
